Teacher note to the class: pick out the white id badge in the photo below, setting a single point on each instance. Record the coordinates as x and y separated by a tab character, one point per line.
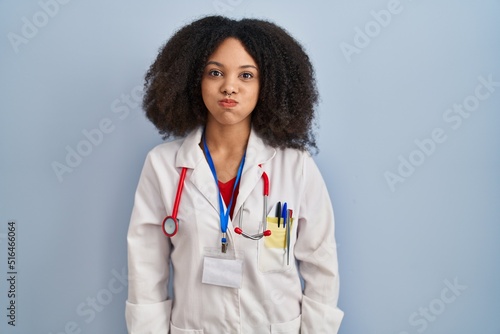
222	272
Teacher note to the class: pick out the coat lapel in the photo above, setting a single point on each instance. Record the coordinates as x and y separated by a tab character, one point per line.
191	156
257	153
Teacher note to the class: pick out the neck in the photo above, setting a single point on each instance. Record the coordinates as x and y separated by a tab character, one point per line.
227	139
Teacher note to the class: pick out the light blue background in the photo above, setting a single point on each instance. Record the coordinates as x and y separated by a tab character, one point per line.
399	248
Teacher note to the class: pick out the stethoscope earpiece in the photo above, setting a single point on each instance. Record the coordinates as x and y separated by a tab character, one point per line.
257	236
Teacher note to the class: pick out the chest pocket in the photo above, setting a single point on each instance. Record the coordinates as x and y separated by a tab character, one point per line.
276	251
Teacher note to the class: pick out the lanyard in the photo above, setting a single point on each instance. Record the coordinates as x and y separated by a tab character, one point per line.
224	215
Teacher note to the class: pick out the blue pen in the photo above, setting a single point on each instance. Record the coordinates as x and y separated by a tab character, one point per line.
284	214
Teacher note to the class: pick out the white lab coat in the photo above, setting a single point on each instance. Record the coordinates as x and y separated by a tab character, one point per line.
271	298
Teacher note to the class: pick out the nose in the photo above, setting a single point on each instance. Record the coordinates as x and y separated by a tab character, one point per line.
229	86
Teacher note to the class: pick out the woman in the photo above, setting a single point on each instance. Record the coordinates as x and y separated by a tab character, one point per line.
241	96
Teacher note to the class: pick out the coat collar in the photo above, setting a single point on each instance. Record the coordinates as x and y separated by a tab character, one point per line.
190	155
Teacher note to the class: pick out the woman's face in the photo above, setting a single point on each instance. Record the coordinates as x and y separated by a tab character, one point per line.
230	70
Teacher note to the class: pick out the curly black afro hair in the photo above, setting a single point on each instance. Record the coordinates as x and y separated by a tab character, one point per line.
284	113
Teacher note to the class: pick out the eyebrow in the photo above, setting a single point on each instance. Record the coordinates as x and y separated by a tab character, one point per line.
212	62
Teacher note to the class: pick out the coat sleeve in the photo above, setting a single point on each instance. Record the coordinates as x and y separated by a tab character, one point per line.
316	251
147	309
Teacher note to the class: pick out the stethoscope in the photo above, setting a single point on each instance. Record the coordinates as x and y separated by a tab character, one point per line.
170	225
265	231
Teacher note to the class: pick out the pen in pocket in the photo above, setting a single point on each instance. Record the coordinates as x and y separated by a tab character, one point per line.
284	214
278	212
289	219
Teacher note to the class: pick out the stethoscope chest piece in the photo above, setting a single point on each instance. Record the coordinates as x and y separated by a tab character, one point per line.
170	226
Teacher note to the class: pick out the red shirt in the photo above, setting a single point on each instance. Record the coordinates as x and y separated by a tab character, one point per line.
225	190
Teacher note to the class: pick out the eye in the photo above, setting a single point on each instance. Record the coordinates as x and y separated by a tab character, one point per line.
215	73
247	75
